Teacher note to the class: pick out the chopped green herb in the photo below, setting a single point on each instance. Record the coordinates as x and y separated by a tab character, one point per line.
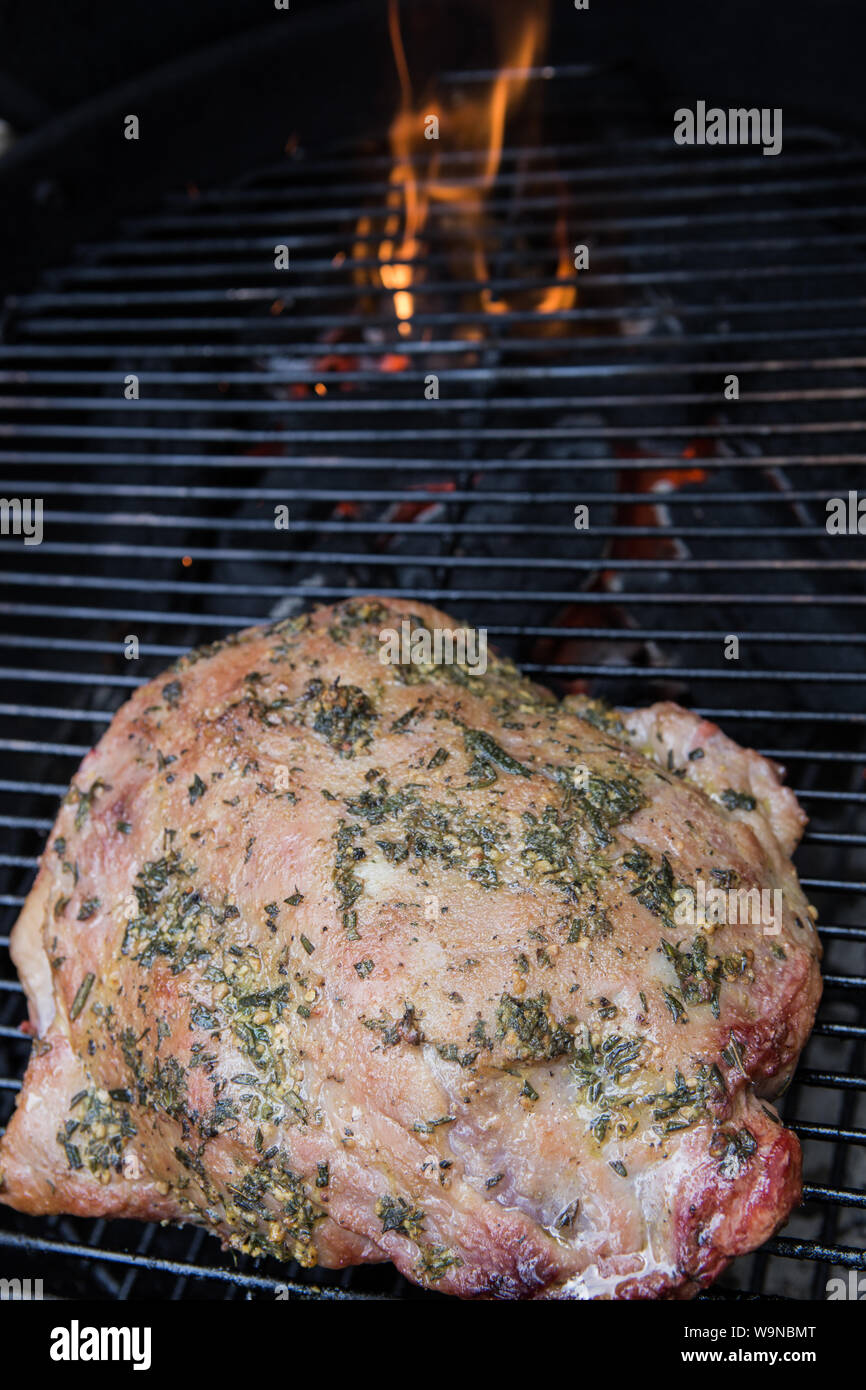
171	693
733	1148
428	1126
678	1013
342	714
604	802
435	1261
733	1055
528	1030
566	1217
655	887
85	800
397	1215
202	1017
196	789
700	974
486	748
82	992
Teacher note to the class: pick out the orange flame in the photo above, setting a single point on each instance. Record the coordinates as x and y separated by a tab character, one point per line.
557	298
409	198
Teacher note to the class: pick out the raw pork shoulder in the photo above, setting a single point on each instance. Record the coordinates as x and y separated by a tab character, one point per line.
350	961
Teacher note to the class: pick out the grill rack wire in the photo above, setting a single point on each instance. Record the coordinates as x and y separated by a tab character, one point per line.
158	522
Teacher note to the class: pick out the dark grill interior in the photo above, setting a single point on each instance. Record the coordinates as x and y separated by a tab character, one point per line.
262	388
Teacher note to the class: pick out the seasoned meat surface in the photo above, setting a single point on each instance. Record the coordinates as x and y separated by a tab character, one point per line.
352	961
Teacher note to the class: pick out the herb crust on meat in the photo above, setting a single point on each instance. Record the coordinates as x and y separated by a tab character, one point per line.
349	961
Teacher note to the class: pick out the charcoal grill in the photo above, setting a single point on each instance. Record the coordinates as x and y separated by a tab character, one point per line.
261	388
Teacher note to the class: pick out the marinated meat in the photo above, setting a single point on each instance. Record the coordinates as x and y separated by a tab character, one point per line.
351	961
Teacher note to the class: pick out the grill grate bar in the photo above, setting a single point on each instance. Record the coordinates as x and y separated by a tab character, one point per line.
609	172
23	745
26	823
539	563
38	788
324	591
42	1245
150	239
399	405
159	267
834	885
370	465
303	375
808	1077
845	1256
60	327
249	293
503	241
326	215
841	1197
453	347
250	437
353	158
49	712
158	521
827	1133
419	493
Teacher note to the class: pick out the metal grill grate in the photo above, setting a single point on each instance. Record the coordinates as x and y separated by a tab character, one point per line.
260	388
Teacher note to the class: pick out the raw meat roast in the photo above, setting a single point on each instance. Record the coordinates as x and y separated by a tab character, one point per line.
353	961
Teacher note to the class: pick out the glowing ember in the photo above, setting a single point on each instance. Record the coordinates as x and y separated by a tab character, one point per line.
393	362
